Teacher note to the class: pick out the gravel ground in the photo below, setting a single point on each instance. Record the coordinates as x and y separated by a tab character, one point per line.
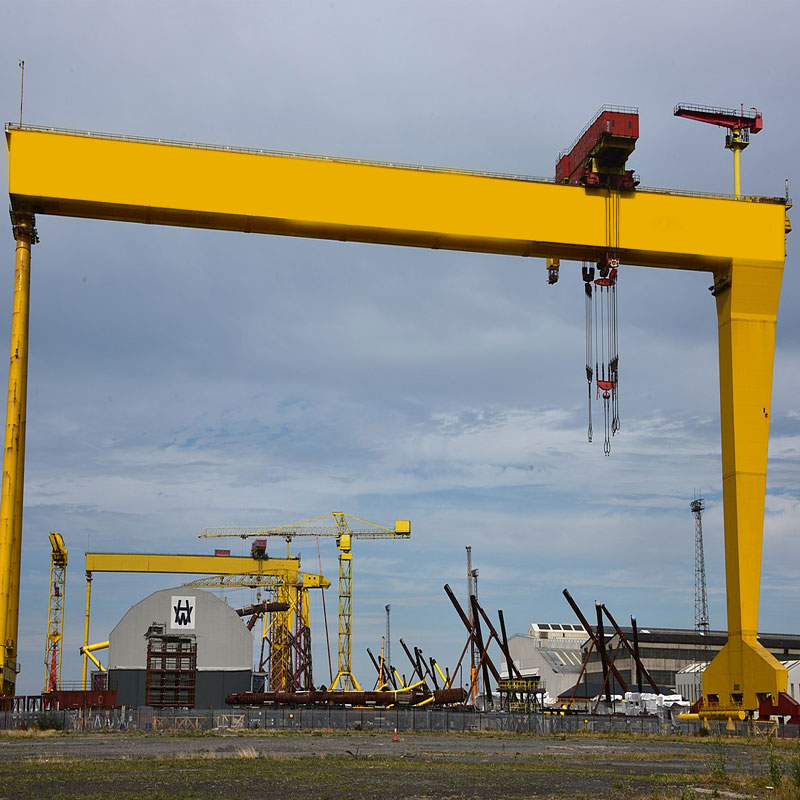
339	765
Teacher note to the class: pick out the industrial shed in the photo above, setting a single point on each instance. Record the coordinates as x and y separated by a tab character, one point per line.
200	651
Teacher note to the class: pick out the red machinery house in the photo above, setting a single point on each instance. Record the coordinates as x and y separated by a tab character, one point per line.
598	155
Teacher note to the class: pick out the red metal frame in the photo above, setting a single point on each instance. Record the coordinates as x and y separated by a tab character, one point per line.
610	137
750	120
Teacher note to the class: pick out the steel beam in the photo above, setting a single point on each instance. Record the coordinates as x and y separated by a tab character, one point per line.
287	568
97	176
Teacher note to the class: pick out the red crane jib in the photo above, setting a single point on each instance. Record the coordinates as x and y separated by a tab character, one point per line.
730	118
607	140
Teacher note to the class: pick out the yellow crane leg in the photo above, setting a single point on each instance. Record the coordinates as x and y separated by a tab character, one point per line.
14	453
87	651
743	672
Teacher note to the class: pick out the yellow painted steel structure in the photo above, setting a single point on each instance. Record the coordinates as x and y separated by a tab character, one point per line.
11	490
740	241
344	534
287	570
279	627
88	651
54	645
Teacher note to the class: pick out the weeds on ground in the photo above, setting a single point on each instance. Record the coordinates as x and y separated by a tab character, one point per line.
785	785
774	765
718	762
795	765
28	733
50	722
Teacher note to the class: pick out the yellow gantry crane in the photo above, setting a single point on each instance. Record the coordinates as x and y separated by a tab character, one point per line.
54	647
344	680
740	242
287	631
264	569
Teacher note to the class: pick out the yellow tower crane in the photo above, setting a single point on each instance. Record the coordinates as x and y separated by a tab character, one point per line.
55	614
344	680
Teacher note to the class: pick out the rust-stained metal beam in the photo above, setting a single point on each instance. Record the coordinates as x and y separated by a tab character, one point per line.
601	636
634	653
459	610
481	649
584	664
376	665
593	636
423	665
635	628
378	698
606	680
260	608
415	671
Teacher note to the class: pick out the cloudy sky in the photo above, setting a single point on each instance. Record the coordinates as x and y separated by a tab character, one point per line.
182	378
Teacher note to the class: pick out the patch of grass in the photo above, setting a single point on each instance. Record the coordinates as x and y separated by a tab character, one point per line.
774	766
795	766
718	761
244	775
32	733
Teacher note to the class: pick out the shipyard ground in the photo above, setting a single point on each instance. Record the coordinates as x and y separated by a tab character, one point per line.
251	765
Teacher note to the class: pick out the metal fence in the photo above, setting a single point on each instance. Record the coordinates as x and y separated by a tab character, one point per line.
404	720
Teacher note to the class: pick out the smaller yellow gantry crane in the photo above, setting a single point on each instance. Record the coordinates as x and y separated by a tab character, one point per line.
344	680
55	614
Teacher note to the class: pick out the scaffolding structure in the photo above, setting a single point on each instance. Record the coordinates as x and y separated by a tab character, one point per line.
521	694
171	675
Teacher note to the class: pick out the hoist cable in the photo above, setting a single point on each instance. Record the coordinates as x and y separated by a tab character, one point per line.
587	288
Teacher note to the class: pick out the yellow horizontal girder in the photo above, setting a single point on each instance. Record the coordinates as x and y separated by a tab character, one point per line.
288	568
741	241
171	183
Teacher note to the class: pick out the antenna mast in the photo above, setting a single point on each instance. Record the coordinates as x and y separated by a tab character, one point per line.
21	87
700	599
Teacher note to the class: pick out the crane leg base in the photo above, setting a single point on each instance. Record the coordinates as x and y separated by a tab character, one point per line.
741	676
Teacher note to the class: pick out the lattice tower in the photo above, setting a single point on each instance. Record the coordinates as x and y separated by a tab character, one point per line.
700	597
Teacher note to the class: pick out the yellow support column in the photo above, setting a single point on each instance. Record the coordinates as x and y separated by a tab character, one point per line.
747	307
84	650
14	454
736	141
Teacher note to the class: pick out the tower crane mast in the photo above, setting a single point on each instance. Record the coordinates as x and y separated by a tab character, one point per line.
344	680
55	613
